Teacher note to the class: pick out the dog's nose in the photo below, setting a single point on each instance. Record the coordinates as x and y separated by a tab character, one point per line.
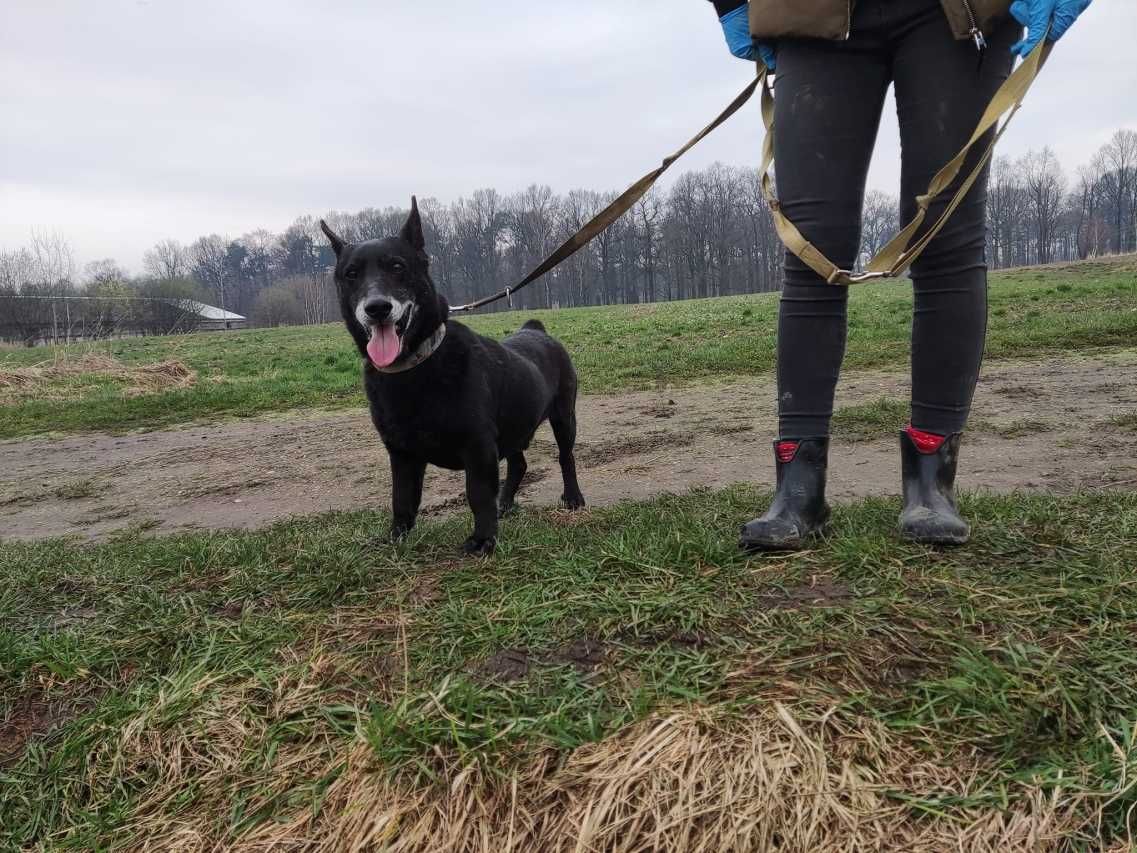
378	309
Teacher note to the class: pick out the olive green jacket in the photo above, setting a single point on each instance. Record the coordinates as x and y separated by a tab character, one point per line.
830	19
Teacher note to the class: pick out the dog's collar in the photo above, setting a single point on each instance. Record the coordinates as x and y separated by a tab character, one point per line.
425	350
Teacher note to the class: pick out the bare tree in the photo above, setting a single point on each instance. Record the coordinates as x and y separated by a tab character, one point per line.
647	219
167	260
53	263
101	273
531	217
17	269
879	222
479	225
208	256
1006	201
1089	230
1045	184
579	272
1120	158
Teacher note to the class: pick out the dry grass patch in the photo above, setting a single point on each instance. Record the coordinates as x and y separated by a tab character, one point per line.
694	780
68	376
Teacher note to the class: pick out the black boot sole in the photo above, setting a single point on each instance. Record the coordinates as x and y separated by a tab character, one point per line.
930	535
793	542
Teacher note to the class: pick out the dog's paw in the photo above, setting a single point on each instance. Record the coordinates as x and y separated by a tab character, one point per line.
475	547
572	501
510	509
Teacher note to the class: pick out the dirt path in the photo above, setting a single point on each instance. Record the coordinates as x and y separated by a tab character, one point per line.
1040	425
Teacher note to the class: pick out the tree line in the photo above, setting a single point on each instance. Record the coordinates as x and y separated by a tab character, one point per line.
709	234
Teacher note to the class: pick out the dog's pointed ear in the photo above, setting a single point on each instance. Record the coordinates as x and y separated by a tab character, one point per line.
443	307
412	228
333	238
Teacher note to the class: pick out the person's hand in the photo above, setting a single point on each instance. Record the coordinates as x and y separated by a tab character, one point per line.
1036	15
736	28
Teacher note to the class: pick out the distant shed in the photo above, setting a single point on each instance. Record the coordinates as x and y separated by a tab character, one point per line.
36	320
211	318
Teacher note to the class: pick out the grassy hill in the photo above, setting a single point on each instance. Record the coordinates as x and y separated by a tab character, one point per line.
1033	311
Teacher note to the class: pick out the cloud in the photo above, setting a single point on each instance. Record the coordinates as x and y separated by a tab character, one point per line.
127	122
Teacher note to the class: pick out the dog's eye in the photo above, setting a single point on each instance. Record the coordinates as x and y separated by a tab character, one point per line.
398	267
351	273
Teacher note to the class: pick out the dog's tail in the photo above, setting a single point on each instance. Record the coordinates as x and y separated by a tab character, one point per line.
535	324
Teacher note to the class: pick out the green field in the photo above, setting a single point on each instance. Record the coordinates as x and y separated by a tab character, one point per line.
1033	312
226	686
621	678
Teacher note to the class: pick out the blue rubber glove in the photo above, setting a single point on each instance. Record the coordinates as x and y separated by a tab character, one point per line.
1035	15
736	28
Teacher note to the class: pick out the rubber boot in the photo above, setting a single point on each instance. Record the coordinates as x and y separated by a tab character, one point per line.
798	510
928	463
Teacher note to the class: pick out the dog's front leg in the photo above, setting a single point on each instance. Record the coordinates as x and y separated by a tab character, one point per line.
481	492
406	486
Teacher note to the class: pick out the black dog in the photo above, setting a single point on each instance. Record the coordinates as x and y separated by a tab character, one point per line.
441	394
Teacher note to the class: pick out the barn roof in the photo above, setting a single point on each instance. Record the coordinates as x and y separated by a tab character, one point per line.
208	312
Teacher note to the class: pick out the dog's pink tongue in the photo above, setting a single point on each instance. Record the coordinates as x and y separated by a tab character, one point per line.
384	346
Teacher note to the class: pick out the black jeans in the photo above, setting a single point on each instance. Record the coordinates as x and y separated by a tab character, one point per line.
829	97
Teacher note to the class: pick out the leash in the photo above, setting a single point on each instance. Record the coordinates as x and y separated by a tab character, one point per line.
897	255
891	261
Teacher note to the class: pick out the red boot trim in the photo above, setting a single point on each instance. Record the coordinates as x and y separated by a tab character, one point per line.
926	442
786	451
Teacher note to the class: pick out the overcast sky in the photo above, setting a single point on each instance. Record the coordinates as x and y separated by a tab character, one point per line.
129	121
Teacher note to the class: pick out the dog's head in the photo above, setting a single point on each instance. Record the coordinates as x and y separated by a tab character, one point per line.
388	300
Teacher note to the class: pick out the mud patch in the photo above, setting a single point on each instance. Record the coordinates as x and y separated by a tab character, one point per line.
1020	392
535	475
729	429
609	451
674	638
660	410
585	654
820	593
427	588
72	617
230	610
505	666
29	716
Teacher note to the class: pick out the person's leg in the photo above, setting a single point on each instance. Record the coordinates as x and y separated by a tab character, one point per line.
829	97
942	89
828	100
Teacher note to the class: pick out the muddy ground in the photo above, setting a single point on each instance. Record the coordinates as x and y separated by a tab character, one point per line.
1038	425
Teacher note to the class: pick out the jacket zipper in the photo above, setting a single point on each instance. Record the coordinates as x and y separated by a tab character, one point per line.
975	33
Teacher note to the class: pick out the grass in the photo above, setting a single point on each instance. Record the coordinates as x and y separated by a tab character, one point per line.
869	421
309	683
1034	312
1126	421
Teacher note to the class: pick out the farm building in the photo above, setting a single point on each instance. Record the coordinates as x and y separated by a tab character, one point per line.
37	320
212	319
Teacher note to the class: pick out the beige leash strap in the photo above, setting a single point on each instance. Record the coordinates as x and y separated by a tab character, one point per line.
891	261
894	259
